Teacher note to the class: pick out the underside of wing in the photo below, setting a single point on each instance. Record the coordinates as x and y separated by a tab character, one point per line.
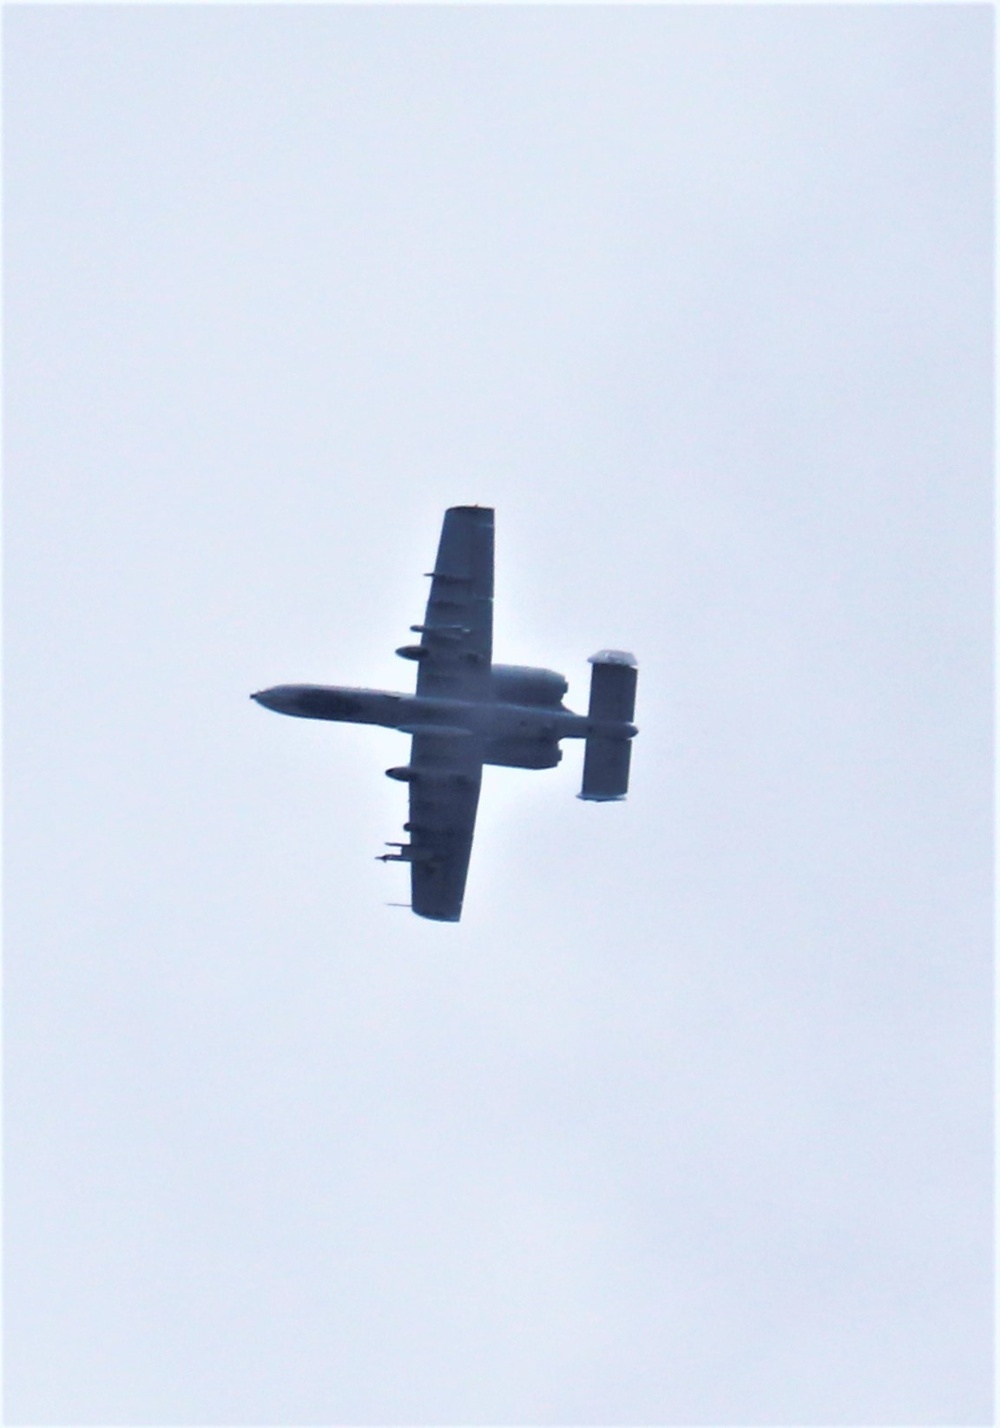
445	775
456	644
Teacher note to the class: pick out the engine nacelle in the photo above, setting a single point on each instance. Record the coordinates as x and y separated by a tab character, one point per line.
522	753
518	684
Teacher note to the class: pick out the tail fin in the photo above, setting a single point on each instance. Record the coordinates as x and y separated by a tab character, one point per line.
612	701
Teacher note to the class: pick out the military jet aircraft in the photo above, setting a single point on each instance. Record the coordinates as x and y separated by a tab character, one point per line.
468	711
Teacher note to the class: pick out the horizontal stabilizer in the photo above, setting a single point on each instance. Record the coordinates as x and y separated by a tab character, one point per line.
612	704
612	685
605	769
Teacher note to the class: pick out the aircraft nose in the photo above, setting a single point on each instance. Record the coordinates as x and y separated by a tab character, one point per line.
270	699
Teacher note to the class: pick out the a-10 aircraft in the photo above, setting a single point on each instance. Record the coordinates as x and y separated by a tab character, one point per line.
468	711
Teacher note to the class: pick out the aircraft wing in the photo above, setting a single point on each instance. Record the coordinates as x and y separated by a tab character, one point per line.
456	638
444	795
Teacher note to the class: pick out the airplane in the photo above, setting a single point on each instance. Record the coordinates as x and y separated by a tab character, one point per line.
468	711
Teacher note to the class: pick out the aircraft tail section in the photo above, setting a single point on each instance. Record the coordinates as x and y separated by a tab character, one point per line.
612	701
612	685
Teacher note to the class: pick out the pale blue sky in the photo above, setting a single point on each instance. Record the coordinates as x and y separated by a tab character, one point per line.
688	1121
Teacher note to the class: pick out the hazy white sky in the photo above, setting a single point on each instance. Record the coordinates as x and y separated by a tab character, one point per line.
688	1121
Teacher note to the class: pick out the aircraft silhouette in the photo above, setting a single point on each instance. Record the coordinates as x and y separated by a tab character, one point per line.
468	711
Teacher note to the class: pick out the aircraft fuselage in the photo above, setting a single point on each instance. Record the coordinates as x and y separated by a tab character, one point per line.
489	719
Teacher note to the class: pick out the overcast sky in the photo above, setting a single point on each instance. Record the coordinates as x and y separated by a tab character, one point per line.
688	1120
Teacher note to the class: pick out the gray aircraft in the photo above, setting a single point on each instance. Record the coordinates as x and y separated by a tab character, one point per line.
468	711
